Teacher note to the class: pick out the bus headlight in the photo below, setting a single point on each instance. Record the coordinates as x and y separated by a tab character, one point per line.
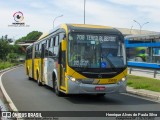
124	79
71	78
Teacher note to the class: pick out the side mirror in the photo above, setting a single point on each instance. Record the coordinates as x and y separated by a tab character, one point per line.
64	36
43	51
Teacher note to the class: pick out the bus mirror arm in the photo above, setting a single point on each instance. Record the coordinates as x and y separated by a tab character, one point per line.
64	36
59	59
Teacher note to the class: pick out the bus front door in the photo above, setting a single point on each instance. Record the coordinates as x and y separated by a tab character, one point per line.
42	62
62	62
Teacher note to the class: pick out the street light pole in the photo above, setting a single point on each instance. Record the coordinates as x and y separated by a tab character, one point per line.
55	19
131	29
140	25
84	10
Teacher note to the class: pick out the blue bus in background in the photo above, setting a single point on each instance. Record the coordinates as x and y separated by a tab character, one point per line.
143	50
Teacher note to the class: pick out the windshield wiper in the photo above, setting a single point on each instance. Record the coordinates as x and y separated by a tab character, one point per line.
112	65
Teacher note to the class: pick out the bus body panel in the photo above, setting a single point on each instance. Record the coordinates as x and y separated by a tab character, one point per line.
48	71
36	70
79	88
29	67
112	85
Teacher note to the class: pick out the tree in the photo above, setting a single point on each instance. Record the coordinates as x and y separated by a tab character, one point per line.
5	38
8	51
4	49
32	36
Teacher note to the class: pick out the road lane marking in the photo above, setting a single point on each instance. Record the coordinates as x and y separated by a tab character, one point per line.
10	102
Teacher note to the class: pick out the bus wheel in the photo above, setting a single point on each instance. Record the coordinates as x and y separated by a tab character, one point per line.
29	78
58	93
38	80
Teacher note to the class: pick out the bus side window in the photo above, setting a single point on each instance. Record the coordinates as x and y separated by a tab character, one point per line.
50	47
44	44
39	50
56	43
31	49
27	54
47	43
46	48
36	51
51	42
62	36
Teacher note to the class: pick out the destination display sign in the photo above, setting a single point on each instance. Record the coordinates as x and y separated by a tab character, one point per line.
96	37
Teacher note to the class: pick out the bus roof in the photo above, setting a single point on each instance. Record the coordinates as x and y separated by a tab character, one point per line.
80	27
93	28
90	26
42	36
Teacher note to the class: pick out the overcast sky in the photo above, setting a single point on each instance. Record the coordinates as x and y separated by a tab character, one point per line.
39	14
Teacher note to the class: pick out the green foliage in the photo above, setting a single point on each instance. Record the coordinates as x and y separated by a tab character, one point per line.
11	57
9	52
4	49
138	82
32	36
4	65
5	38
16	49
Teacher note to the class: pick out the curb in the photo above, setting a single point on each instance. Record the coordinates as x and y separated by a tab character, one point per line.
144	93
8	99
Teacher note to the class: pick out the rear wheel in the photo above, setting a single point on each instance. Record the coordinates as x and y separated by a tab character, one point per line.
29	78
38	80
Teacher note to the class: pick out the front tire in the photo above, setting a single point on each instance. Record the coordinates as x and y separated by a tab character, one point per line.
56	90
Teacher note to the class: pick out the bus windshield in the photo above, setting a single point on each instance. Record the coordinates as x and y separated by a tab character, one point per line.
95	51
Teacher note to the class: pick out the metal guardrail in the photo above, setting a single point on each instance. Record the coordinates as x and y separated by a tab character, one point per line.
154	71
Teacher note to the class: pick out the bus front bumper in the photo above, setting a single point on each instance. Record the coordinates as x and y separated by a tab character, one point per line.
80	88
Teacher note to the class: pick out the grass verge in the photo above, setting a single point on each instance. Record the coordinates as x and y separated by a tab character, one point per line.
4	65
138	82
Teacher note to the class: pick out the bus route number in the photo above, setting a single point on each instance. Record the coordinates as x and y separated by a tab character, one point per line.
80	37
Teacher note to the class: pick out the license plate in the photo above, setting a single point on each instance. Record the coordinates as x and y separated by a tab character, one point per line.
100	88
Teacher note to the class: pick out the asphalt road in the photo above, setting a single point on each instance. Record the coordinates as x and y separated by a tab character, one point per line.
28	96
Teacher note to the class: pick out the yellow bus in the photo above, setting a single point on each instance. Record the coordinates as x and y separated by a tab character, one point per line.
79	59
